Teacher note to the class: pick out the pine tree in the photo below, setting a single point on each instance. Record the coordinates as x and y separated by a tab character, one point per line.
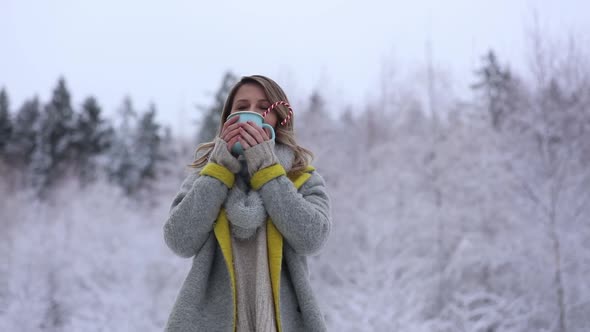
61	122
147	143
316	114
211	119
135	149
498	88
316	103
93	136
120	167
169	151
347	117
54	144
22	142
6	126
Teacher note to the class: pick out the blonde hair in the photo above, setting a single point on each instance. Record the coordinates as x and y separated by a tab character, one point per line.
284	134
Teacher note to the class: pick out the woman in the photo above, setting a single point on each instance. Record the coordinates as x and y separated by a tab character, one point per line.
249	222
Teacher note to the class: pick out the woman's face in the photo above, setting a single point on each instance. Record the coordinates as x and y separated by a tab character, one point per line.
251	97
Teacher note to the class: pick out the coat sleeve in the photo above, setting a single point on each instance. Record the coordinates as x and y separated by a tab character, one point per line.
195	208
303	217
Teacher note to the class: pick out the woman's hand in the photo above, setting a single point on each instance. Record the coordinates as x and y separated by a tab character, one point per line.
230	132
250	134
258	147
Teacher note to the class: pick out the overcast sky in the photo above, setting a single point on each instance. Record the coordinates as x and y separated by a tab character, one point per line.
175	52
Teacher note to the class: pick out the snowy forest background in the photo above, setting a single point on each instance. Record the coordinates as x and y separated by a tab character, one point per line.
450	214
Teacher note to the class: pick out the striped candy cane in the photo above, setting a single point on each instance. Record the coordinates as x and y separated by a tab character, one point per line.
284	122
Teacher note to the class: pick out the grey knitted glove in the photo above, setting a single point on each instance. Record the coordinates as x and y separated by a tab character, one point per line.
220	155
260	156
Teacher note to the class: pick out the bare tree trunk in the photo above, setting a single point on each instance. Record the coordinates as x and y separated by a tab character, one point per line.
441	252
550	210
558	272
54	318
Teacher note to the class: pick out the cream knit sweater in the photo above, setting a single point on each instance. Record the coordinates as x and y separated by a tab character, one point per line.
253	286
254	294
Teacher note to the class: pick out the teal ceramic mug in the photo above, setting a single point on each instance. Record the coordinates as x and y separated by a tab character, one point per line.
246	116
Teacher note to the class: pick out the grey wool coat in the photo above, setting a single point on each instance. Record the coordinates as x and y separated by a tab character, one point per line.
298	207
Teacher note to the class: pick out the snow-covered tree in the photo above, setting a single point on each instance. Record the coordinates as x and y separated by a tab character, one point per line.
121	168
54	145
135	150
209	123
498	88
22	142
147	144
92	138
